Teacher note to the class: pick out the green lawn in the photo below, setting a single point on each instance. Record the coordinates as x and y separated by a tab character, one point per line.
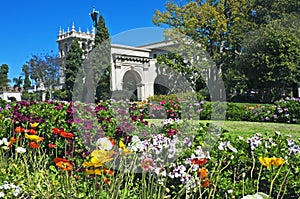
245	129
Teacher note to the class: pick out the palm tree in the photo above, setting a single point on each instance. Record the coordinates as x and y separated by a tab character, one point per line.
18	82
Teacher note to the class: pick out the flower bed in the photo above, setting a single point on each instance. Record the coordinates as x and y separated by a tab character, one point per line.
73	150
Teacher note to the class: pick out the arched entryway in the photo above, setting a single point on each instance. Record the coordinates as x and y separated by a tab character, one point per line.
160	86
132	83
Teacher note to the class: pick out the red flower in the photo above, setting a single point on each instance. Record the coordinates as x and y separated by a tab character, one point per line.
56	130
51	145
107	181
206	182
19	129
200	162
64	164
34	145
30	131
66	135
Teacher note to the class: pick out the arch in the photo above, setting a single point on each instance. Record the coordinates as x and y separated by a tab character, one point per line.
131	83
160	86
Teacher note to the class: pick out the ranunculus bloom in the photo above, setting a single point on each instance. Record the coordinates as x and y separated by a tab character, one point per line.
147	164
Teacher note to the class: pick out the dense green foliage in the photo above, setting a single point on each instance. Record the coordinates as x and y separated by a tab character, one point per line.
4	77
254	44
73	65
101	61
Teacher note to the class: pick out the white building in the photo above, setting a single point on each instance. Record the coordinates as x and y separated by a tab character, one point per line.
135	64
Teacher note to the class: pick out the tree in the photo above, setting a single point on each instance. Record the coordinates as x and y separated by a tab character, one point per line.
44	70
27	82
102	61
4	77
218	26
73	65
271	61
18	82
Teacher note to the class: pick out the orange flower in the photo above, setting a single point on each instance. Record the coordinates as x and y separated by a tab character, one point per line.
12	140
51	145
66	135
34	145
108	171
19	129
107	181
64	164
202	173
56	130
200	161
31	131
206	182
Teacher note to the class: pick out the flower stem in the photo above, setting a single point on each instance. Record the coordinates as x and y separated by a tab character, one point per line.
272	182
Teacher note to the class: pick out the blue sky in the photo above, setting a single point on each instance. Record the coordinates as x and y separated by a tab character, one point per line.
31	27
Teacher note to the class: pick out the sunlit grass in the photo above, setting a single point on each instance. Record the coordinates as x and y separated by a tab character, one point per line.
245	129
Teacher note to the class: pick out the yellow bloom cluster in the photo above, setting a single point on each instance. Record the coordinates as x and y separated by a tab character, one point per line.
267	162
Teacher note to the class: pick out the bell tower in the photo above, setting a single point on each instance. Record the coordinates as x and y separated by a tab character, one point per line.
64	40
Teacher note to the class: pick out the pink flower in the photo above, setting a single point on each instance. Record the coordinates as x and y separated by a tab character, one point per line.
147	164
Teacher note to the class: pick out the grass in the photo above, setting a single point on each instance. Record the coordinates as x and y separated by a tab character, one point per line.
246	129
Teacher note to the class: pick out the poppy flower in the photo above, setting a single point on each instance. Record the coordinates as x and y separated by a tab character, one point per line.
56	130
19	129
108	171
277	161
34	145
33	125
94	171
200	161
107	181
206	182
12	140
31	131
34	138
202	173
64	164
51	145
66	135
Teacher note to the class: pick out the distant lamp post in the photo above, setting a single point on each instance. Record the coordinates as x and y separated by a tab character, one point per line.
94	16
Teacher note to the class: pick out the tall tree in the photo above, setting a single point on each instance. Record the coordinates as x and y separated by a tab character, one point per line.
271	61
27	82
101	62
73	65
217	26
4	77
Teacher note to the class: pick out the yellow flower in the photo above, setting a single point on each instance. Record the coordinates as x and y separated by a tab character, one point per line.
277	161
34	138
101	156
92	172
33	125
123	147
93	163
265	161
271	161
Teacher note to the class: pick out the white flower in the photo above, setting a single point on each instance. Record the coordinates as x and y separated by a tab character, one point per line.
2	195
222	146
258	195
231	147
16	192
20	150
230	191
104	144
